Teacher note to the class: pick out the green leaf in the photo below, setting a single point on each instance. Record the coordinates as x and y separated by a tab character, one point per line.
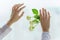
35	21
28	17
31	22
35	11
37	17
31	28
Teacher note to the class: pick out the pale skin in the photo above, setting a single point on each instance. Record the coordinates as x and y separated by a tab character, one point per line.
45	20
16	10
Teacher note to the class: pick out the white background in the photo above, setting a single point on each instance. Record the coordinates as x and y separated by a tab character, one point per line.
20	29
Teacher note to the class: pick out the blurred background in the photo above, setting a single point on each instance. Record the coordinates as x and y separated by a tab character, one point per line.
20	30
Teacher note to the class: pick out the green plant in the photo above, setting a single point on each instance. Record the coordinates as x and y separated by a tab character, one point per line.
35	21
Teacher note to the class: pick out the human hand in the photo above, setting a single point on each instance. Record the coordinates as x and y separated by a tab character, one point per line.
45	20
16	10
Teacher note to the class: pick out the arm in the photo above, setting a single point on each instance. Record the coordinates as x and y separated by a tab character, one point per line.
16	10
45	23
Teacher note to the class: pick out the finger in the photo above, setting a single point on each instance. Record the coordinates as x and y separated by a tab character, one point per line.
40	15
48	16
21	15
15	6
45	13
19	5
21	9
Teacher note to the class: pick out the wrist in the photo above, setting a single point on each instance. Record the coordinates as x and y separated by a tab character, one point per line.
45	30
9	23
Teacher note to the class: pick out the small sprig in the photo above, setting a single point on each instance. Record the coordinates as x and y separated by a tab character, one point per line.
35	21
